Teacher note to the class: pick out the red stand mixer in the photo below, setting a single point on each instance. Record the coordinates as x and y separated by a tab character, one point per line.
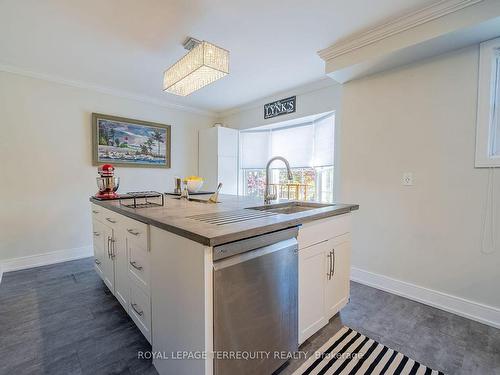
107	183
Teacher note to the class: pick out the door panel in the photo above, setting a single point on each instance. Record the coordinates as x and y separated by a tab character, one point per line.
119	253
312	283
337	286
108	263
98	244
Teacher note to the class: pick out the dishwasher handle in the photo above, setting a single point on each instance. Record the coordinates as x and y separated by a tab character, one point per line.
238	247
290	244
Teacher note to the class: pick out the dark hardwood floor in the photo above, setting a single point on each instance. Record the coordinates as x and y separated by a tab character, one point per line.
61	319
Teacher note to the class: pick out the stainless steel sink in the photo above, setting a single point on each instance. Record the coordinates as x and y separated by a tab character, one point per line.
290	207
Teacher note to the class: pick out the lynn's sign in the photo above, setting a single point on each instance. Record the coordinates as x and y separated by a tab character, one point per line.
280	107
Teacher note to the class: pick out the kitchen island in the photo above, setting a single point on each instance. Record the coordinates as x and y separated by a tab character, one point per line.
173	269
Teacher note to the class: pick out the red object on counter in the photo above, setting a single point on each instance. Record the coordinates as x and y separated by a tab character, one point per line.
106	170
107	183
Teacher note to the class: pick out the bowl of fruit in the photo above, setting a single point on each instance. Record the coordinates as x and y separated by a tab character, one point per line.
194	183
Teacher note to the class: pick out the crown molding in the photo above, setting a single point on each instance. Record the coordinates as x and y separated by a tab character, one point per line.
299	90
104	90
395	26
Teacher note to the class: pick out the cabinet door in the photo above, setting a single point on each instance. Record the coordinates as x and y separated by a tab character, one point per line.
119	255
98	238
228	174
338	260
312	283
107	261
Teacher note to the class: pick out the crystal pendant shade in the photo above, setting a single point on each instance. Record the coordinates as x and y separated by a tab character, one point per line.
204	64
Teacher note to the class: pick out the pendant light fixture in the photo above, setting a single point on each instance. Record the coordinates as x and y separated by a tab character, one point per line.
203	64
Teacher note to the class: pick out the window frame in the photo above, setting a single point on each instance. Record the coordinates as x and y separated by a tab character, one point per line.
486	106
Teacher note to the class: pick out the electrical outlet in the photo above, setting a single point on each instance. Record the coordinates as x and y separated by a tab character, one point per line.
407	179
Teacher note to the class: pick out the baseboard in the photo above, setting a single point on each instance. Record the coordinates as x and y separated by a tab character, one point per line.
469	309
15	264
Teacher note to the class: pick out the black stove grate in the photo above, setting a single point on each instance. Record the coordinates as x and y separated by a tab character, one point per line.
142	199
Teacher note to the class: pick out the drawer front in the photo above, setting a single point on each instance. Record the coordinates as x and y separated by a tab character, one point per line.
106	216
98	234
140	310
111	218
321	230
139	264
136	231
97	212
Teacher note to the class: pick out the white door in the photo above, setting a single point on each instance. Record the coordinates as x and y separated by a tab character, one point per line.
312	280
99	245
107	262
119	255
338	260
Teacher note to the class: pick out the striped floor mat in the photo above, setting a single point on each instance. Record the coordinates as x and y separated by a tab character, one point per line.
350	353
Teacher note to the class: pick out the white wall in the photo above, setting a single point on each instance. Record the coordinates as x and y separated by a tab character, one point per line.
319	97
46	164
420	119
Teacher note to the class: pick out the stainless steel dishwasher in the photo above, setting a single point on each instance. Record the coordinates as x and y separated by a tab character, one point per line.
255	303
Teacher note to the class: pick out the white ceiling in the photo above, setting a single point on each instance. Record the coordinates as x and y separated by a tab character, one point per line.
127	44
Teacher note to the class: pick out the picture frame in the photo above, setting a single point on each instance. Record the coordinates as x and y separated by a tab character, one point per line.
129	142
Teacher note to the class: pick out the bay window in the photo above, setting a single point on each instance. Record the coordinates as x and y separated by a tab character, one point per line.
309	148
488	110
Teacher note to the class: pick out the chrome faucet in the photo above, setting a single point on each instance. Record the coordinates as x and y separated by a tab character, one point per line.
268	195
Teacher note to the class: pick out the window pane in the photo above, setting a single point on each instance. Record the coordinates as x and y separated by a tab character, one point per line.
324	141
307	184
294	144
309	149
496	115
254	149
254	182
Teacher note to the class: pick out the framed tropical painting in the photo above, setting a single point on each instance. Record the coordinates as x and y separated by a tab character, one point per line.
127	142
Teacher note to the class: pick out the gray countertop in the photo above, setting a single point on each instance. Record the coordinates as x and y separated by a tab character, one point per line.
175	217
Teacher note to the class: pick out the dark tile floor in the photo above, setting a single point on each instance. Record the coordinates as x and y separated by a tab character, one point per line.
61	319
440	340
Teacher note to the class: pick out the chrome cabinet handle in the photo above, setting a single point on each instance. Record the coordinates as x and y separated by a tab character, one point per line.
333	262
135	233
329	274
97	261
137	267
111	220
134	306
113	254
109	247
97	234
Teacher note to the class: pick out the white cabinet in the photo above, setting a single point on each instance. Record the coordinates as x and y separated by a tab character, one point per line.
338	274
108	262
324	272
99	246
218	158
121	252
312	268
